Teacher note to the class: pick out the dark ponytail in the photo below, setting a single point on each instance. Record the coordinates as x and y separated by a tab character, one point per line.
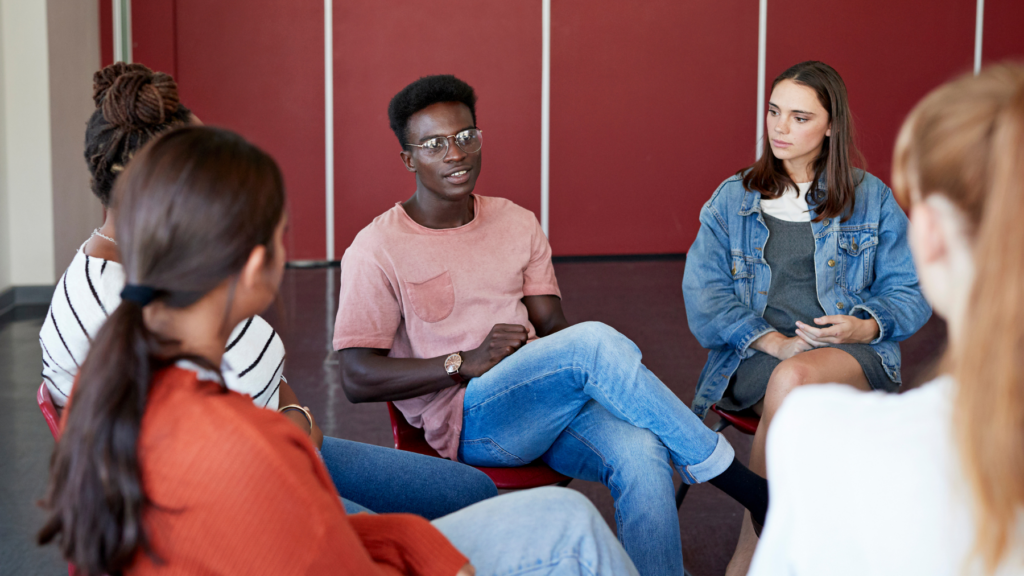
97	454
192	207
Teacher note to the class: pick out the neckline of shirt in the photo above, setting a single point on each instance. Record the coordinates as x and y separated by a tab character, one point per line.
81	250
790	206
419	228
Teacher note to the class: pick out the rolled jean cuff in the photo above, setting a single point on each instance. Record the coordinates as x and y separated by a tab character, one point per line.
714	465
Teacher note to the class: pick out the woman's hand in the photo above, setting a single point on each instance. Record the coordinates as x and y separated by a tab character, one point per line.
467	570
316	435
779	346
843	330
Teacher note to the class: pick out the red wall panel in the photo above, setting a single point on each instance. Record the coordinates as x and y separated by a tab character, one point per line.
381	46
1003	37
255	67
652	106
889	53
154	35
106	33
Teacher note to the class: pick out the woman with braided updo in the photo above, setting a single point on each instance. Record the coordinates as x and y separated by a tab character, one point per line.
135	105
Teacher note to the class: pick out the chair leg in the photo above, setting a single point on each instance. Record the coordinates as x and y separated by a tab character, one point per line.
681	493
720	425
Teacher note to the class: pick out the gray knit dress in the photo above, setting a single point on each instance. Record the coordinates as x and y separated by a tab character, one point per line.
792	296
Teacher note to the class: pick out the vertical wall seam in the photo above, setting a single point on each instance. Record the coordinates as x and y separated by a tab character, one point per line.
545	115
979	28
122	30
118	31
329	124
127	23
762	48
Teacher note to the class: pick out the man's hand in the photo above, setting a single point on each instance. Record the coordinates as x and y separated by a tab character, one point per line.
467	570
777	345
501	342
843	330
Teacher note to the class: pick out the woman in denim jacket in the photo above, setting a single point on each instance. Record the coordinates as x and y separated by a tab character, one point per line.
801	272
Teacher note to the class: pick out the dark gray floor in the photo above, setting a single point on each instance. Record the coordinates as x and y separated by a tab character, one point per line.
25	447
641	299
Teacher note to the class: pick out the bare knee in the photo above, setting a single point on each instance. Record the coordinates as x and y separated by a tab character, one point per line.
787	376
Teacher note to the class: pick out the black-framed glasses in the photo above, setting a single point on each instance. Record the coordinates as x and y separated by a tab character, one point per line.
469	141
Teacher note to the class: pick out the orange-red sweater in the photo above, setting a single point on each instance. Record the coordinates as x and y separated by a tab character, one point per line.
240	490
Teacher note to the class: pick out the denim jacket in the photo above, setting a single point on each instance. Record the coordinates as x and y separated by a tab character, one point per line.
863	267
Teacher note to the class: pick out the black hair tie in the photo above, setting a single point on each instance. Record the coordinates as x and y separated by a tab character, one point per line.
141	295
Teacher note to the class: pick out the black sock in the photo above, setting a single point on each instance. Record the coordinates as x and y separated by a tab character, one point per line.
745	487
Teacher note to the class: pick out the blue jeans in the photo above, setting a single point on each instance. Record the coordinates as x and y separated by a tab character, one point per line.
551	531
388	480
582	400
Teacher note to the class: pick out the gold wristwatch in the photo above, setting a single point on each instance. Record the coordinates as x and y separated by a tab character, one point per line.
452	364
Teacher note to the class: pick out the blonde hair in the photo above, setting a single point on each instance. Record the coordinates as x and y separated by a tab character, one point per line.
965	140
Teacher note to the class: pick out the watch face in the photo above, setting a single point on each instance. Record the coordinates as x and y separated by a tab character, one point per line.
453	363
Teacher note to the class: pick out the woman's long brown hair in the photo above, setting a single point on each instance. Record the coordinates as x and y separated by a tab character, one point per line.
769	177
965	141
192	206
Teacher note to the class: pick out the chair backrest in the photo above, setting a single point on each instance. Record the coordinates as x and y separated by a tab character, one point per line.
49	410
408	437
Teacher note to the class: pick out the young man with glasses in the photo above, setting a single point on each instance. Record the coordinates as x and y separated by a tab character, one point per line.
449	307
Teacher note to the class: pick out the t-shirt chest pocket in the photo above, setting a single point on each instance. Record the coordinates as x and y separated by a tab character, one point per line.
433	299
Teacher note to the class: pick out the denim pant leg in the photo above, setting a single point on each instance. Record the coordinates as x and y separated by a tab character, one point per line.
635	466
388	480
353	508
514	412
544	531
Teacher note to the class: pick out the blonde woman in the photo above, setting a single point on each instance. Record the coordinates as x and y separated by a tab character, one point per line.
932	481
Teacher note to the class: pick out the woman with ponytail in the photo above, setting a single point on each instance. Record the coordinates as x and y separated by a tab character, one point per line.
931	481
133	106
161	469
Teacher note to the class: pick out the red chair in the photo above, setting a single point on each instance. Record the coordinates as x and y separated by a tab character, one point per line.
745	422
49	410
533	475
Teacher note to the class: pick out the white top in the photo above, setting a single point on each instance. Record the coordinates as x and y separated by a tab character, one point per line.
90	290
791	206
868	483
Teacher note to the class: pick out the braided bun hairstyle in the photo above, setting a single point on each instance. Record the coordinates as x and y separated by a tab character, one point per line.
133	105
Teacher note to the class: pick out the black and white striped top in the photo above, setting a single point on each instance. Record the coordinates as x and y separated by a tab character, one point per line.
90	290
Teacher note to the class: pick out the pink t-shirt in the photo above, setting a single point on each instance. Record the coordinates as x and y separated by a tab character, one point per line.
424	293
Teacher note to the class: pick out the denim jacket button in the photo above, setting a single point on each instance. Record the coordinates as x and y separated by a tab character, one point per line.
839	305
824	222
831	263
